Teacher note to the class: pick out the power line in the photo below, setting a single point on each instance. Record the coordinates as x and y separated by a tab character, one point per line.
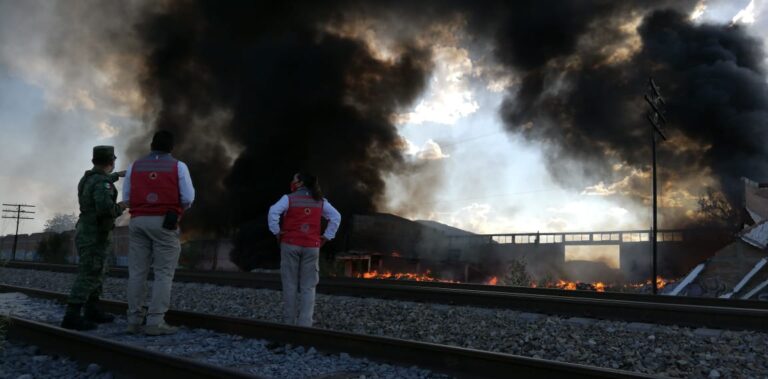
21	214
470	139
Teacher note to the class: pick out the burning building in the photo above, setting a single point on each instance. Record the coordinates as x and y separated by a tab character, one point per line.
388	246
739	269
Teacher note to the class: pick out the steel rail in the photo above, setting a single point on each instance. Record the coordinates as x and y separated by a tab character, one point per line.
353	286
455	361
642	309
122	358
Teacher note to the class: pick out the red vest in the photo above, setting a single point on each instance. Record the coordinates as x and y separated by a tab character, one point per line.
155	186
301	222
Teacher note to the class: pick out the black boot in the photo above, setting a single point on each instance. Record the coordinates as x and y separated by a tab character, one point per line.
97	316
73	319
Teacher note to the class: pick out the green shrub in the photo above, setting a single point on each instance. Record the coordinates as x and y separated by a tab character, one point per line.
192	254
516	274
331	267
54	248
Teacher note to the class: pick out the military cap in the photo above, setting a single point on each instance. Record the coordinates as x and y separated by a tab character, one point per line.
104	153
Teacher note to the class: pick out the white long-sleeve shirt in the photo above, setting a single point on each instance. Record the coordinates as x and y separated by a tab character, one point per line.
329	213
186	189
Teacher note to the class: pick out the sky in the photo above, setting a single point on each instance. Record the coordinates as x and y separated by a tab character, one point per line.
492	181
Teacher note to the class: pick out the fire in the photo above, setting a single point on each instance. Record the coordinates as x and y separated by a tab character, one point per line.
599	286
425	277
564	285
494	280
660	283
572	286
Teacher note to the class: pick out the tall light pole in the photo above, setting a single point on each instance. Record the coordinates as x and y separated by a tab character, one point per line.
656	117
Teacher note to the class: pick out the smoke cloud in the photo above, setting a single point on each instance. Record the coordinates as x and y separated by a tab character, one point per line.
253	99
584	103
256	94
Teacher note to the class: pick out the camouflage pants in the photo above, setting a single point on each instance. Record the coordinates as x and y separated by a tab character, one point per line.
91	270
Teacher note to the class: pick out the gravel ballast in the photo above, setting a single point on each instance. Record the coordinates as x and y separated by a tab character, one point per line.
655	349
256	356
19	361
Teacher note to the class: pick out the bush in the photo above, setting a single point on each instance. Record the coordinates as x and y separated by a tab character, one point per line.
516	274
54	248
331	267
192	254
545	280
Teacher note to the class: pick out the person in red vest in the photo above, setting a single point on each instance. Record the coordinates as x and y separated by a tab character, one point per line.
157	188
300	240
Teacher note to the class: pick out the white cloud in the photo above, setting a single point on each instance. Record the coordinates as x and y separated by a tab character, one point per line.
746	15
625	186
44	44
106	130
473	217
698	11
590	215
449	96
429	151
600	189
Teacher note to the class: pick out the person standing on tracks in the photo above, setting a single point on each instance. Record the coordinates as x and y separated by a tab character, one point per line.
97	197
300	240
158	189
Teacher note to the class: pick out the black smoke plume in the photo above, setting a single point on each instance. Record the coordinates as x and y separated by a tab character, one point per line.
256	93
583	68
585	107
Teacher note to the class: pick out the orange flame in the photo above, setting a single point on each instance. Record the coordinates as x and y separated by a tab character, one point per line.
599	286
425	277
572	286
564	285
492	282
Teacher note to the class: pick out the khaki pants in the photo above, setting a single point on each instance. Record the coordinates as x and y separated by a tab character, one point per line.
151	244
300	273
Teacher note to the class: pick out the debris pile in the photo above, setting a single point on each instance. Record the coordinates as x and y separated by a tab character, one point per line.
739	270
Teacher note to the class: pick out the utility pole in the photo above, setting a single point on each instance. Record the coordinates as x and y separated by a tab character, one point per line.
20	214
656	117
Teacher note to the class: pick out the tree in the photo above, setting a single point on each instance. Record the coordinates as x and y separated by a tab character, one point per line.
716	210
55	247
61	222
516	274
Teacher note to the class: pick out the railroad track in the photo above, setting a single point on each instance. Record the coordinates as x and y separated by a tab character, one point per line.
682	311
122	358
455	361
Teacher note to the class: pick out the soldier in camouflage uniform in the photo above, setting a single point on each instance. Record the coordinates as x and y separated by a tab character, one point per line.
98	210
